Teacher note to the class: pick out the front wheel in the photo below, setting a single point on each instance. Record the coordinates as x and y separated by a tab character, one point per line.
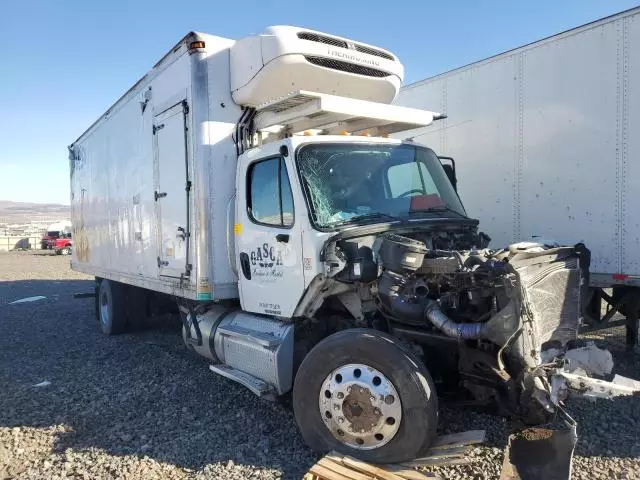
360	393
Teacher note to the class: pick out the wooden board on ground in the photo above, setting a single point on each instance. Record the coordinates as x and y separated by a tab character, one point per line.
446	450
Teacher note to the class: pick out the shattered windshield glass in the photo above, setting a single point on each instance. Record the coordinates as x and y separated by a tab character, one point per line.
346	183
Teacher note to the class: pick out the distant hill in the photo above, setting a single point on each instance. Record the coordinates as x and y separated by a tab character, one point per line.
25	211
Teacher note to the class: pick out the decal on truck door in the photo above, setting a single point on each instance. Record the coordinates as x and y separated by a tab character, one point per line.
266	261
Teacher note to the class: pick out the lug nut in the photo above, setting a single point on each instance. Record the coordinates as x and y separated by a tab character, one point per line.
336	407
340	420
340	395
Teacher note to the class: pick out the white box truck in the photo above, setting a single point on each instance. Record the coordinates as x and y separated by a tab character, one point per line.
543	136
254	183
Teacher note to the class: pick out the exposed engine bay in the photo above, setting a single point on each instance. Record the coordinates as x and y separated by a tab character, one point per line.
492	324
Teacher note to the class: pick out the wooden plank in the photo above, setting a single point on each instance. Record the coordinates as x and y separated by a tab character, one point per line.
446	452
325	473
458	439
342	470
370	469
448	449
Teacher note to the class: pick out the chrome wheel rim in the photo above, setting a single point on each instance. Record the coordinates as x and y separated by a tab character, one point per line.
360	406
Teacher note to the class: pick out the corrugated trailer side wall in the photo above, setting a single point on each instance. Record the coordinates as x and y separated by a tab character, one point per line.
569	176
542	138
631	144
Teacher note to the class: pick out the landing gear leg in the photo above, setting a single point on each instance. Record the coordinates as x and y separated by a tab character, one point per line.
633	314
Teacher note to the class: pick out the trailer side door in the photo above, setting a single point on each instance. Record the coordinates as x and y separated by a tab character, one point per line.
172	187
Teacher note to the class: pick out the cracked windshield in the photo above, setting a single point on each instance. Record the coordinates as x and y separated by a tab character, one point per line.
347	183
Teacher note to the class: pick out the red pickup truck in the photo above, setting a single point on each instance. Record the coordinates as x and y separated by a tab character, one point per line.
63	245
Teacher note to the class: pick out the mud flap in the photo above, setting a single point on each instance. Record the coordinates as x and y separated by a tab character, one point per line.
536	453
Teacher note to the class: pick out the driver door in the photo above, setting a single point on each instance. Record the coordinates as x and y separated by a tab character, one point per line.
268	241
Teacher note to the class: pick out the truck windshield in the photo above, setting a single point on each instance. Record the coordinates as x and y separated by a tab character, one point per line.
348	183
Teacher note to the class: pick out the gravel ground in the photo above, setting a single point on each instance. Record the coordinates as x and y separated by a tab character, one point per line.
140	406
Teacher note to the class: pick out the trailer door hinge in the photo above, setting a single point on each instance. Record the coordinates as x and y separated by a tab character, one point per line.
187	271
157	195
185	106
162	263
188	186
157	127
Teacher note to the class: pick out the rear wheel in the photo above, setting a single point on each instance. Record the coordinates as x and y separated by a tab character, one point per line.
360	393
111	307
65	251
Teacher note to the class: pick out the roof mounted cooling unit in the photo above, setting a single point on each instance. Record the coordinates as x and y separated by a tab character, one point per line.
286	59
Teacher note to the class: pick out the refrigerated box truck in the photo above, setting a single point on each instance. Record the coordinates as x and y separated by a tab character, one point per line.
545	138
253	182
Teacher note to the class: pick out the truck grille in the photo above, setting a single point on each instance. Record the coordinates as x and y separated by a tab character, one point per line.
373	51
336	42
314	37
346	67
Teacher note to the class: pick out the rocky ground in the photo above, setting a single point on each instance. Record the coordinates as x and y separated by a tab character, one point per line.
140	406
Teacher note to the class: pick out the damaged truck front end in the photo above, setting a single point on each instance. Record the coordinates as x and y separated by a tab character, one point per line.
496	329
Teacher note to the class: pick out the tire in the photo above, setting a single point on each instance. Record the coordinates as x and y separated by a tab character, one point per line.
111	307
381	352
58	252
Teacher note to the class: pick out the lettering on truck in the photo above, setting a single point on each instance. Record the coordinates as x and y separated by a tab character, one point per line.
352	57
266	262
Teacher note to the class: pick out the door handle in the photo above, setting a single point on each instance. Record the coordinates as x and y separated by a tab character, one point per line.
282	238
182	233
245	265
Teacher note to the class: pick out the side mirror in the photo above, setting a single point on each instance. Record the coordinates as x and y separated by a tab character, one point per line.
450	170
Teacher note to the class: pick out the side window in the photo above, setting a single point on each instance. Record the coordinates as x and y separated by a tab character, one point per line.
270	201
410	177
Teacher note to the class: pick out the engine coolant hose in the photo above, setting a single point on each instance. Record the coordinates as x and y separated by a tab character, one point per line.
390	291
465	331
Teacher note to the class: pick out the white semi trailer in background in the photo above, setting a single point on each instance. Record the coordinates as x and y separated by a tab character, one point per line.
547	147
254	184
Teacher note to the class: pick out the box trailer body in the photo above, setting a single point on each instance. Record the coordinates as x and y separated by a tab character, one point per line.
146	197
254	184
544	143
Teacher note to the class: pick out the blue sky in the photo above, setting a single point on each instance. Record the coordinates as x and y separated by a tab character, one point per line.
63	63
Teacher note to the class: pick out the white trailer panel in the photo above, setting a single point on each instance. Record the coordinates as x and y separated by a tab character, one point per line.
541	136
143	179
